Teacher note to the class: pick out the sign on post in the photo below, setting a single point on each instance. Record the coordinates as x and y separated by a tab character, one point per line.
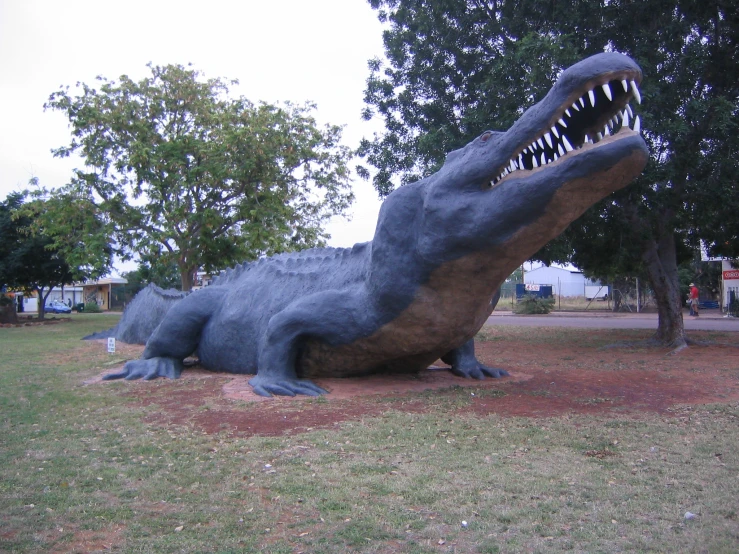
111	344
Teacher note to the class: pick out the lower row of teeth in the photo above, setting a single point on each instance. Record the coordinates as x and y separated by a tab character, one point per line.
563	145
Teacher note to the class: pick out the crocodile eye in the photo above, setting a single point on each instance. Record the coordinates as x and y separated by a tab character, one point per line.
486	135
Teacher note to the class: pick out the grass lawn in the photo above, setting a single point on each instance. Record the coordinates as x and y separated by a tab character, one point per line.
85	469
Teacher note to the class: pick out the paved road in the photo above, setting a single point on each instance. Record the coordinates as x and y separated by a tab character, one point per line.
712	322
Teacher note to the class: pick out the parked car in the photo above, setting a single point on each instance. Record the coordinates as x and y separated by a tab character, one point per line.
57	307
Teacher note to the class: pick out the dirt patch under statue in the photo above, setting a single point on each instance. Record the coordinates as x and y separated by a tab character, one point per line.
553	372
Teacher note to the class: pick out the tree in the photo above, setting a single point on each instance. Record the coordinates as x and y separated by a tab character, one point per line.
74	227
180	168
28	261
458	66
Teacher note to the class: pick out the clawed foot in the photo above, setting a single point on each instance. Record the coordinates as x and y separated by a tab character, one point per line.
286	386
149	369
479	371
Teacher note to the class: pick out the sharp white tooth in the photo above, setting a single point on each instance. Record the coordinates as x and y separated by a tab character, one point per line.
606	132
548	138
600	136
626	120
567	112
562	122
628	109
607	89
554	130
591	97
534	162
560	150
615	119
512	166
625	85
567	144
556	157
540	143
609	124
575	107
582	101
635	90
533	147
637	124
543	159
586	139
520	161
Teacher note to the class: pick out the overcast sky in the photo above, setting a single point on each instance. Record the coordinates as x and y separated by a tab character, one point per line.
295	50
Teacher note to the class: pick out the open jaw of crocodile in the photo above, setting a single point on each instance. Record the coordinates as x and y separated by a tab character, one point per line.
564	154
599	110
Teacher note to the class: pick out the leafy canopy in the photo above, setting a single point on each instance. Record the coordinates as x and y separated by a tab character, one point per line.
28	261
180	167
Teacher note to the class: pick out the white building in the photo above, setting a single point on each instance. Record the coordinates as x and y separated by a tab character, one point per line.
564	281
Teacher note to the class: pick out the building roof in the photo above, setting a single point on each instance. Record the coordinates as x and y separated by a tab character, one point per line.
107	281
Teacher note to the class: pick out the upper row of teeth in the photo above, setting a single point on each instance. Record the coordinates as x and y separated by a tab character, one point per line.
563	146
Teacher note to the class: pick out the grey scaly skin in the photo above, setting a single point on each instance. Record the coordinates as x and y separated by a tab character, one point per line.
427	282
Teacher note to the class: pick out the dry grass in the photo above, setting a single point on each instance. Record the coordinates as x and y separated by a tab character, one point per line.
81	471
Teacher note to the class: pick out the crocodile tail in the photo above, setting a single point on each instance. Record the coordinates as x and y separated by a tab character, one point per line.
145	312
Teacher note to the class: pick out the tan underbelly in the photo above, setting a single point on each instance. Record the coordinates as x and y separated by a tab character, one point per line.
446	312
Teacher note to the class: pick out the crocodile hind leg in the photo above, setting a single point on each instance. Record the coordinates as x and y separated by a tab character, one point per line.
465	364
174	340
335	317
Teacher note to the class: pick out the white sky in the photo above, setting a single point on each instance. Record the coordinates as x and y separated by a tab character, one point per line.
297	50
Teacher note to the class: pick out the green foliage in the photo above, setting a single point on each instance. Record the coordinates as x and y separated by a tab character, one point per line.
187	175
75	227
531	304
28	261
92	308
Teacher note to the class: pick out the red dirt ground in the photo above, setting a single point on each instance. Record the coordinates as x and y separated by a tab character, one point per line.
549	380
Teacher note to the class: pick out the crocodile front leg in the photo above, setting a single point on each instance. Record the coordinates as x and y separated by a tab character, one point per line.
176	337
335	317
465	364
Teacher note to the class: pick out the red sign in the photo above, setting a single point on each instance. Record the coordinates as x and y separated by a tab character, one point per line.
731	274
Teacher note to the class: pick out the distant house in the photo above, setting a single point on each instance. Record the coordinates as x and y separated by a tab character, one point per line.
106	293
564	282
103	292
201	279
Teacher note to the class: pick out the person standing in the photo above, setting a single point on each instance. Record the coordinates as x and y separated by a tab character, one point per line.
693	300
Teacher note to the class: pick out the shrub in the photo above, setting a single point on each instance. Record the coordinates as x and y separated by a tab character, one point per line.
734	307
531	304
92	308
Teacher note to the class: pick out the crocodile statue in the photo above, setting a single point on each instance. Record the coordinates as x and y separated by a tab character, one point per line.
429	279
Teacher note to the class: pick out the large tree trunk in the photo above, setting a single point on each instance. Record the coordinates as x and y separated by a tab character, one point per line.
41	302
186	279
660	258
659	254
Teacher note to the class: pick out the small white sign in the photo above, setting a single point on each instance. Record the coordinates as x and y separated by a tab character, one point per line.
111	344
